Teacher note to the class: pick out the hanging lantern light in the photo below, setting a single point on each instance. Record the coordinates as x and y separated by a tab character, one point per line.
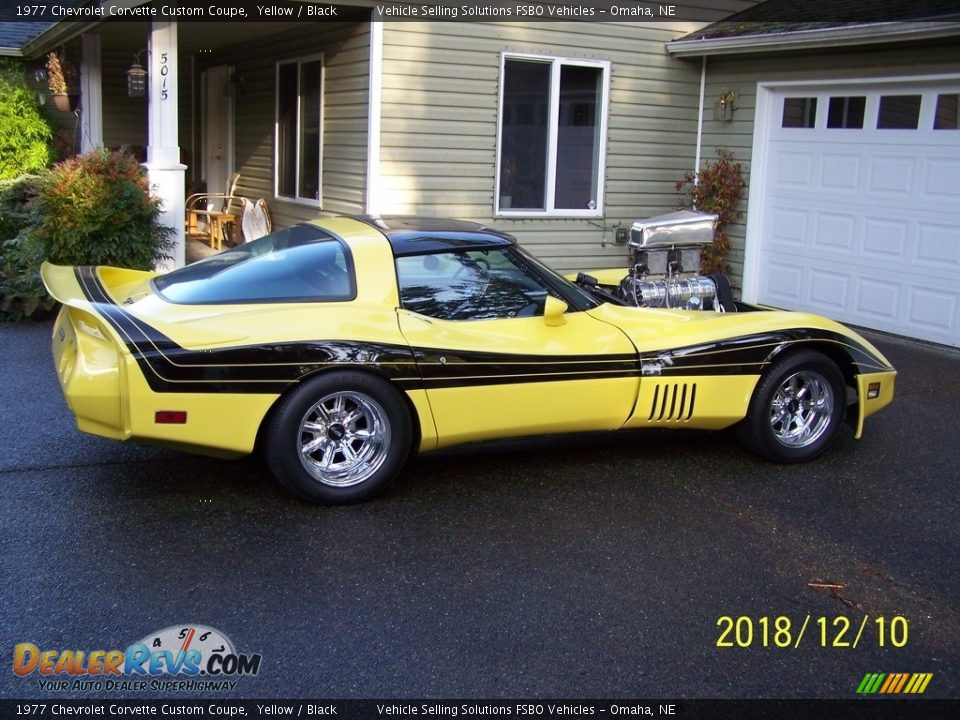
136	78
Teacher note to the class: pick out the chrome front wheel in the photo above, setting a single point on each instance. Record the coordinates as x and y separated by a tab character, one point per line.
796	410
801	409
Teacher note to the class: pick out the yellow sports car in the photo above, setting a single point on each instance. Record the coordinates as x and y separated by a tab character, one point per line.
340	346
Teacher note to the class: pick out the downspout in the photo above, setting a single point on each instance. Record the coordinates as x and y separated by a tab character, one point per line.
372	200
703	88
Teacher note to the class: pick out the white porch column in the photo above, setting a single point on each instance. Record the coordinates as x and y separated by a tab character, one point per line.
163	165
91	93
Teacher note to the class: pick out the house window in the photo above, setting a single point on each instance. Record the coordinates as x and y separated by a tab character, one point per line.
799	112
299	140
552	129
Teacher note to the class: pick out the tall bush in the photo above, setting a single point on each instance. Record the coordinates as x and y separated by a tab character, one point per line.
716	188
22	295
25	133
96	209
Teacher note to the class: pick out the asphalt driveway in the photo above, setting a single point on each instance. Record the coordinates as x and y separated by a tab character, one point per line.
589	566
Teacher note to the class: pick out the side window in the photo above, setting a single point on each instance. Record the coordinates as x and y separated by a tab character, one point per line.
470	285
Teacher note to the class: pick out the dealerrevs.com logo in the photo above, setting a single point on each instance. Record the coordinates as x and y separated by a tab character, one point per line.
177	658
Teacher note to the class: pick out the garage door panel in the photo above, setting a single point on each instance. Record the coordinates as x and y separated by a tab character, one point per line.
840	172
878	299
829	291
933	309
835	232
939	246
783	284
885	240
795	168
942	178
788	227
890	175
863	225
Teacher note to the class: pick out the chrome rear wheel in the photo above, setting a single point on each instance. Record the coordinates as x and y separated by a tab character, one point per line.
341	437
344	439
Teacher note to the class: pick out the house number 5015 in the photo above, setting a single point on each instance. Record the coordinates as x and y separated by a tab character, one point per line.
164	71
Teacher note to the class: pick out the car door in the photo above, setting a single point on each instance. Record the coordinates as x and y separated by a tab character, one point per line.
498	358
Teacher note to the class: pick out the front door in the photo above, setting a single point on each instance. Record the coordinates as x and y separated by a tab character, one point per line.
493	364
217	113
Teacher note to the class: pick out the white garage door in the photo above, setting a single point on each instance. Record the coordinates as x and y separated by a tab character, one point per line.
859	206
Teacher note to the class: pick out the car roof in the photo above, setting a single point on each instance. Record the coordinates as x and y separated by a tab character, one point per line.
413	235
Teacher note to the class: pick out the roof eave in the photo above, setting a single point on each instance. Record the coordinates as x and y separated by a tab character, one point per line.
55	35
842	36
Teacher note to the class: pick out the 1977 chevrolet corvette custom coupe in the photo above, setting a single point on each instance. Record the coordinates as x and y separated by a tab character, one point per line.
341	346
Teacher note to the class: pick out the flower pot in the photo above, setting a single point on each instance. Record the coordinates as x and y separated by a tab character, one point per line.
65	103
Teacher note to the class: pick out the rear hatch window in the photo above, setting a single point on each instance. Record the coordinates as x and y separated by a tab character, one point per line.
296	264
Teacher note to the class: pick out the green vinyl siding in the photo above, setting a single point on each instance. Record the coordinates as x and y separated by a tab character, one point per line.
439	126
345	50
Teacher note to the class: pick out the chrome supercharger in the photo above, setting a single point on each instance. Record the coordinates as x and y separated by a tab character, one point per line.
665	264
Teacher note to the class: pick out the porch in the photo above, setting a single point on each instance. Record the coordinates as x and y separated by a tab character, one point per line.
285	105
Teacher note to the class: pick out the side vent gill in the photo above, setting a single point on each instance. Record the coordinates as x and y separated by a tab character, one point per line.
674	402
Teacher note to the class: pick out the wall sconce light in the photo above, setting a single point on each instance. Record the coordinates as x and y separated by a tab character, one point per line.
725	105
136	78
40	75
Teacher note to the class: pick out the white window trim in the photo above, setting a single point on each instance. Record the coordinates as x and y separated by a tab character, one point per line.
299	61
556	64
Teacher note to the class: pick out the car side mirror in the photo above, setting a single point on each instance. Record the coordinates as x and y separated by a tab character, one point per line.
553	310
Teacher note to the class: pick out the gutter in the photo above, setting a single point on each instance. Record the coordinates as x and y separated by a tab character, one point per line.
843	35
64	31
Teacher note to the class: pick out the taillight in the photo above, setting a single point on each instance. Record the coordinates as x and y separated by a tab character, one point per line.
170	417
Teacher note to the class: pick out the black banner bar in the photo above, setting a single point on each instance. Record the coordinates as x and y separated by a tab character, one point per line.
471	11
857	709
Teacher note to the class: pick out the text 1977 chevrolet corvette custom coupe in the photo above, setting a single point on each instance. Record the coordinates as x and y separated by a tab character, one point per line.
342	345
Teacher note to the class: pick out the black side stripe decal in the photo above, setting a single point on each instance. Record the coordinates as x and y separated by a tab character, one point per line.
271	368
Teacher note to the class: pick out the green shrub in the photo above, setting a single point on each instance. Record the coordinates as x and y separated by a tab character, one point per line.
96	209
16	202
22	294
25	133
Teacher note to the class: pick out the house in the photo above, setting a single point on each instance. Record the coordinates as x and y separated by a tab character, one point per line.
561	132
850	128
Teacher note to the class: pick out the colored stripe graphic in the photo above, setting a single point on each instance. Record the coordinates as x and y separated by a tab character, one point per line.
894	683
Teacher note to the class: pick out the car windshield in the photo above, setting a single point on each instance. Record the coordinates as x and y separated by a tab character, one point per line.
299	263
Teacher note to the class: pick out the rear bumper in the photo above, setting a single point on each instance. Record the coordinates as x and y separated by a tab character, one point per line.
89	368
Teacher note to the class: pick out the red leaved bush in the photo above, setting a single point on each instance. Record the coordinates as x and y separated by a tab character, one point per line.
716	188
96	209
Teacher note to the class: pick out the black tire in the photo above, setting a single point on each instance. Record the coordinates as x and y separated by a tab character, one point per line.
340	438
796	410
